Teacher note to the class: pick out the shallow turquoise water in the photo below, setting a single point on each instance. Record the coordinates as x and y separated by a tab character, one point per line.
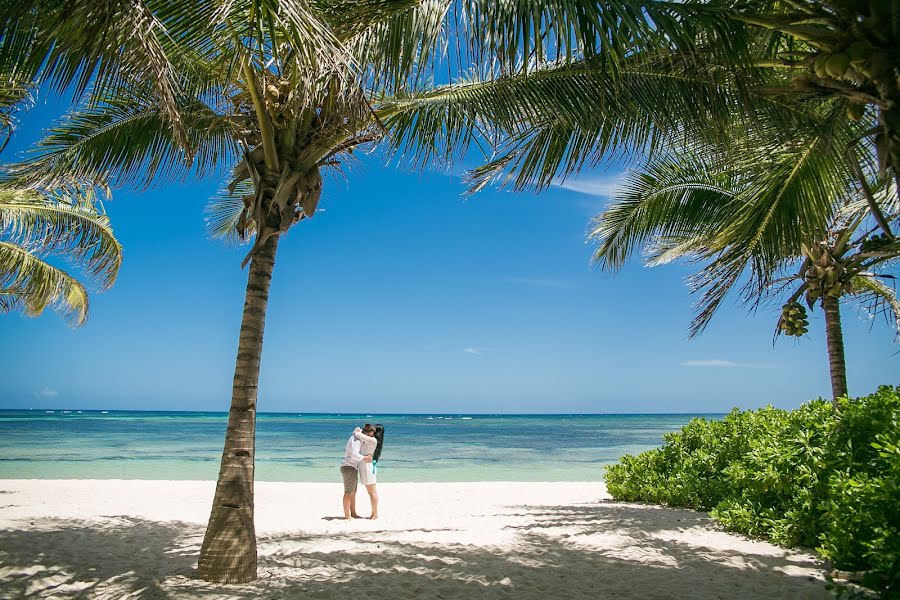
291	447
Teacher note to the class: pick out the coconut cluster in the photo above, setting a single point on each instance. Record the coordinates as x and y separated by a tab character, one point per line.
304	130
793	319
867	55
825	278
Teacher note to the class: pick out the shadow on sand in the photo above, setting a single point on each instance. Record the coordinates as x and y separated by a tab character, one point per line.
603	550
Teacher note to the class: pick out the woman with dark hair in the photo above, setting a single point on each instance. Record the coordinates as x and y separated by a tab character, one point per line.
372	438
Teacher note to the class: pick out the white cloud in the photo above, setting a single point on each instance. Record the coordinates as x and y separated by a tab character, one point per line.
45	394
478	350
537	282
717	363
711	363
603	187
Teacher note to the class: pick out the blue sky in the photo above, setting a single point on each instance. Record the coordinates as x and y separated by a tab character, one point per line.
403	296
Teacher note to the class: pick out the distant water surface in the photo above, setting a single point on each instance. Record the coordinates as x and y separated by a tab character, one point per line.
38	444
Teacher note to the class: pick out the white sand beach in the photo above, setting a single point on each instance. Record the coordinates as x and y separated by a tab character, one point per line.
140	539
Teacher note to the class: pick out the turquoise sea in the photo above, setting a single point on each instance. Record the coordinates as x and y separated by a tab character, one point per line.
60	444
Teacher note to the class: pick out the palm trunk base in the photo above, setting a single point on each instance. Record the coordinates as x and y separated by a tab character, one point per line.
228	554
229	549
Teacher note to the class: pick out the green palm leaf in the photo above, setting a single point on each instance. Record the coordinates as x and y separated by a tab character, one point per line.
13	95
31	285
744	211
102	46
223	214
395	41
56	225
878	298
550	121
670	209
34	226
109	43
525	32
126	140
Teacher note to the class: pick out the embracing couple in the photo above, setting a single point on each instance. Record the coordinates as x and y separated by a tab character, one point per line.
361	465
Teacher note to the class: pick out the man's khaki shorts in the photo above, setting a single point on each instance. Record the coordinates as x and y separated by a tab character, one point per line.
351	477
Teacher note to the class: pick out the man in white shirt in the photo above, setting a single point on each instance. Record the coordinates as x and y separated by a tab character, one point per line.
350	472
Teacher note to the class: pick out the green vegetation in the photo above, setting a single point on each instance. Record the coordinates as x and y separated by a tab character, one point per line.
813	477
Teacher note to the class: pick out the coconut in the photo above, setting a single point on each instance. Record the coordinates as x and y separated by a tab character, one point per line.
837	64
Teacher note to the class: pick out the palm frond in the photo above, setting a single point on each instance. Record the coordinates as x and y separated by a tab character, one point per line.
551	121
223	213
506	35
877	298
670	209
14	96
393	41
59	224
104	43
11	99
796	188
29	284
126	140
176	47
282	38
743	210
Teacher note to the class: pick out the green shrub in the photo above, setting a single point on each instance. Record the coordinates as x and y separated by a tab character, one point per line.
862	532
811	477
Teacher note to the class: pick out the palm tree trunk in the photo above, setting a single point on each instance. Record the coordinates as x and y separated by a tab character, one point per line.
228	554
835	336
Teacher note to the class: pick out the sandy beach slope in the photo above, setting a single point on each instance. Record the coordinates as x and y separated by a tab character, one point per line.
139	539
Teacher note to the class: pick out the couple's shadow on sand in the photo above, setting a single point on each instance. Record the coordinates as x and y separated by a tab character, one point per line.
632	555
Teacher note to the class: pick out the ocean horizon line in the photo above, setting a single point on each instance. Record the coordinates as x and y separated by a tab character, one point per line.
360	414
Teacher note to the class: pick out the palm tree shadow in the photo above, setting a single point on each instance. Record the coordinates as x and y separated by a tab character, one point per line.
681	536
604	550
107	558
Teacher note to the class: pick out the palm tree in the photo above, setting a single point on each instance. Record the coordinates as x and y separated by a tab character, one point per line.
836	269
768	212
34	226
279	92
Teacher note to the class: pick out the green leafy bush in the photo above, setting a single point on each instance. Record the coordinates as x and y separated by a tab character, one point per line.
811	477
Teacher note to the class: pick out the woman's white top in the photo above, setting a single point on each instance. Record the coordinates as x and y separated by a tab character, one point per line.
368	471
